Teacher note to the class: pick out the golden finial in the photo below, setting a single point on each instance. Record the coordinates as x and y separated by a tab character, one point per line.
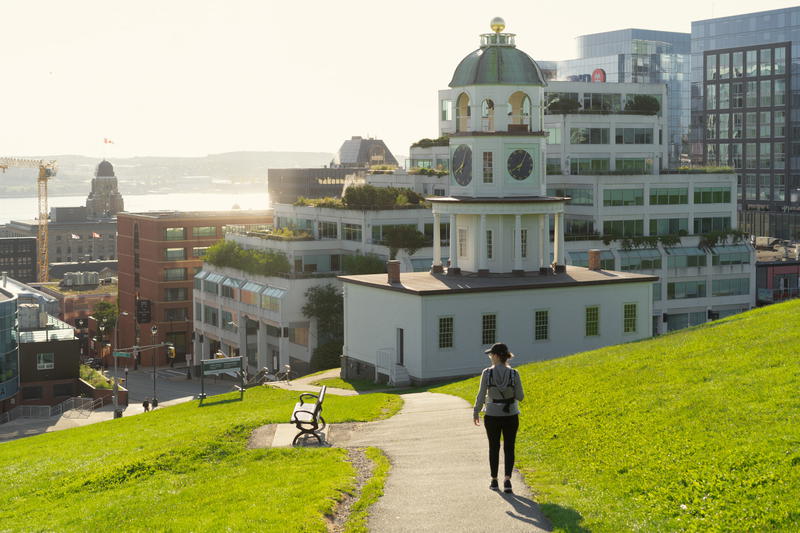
498	24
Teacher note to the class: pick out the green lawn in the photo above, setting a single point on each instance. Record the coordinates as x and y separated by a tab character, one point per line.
697	430
351	384
181	468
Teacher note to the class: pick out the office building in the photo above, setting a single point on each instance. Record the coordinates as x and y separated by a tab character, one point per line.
9	351
743	92
641	56
18	257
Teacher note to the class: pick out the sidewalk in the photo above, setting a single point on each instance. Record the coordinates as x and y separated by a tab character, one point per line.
439	480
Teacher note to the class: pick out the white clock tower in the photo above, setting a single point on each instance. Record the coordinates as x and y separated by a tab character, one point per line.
499	213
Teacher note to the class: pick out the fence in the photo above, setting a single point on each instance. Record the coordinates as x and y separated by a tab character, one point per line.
71	408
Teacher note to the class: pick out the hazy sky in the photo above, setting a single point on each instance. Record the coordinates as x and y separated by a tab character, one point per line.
191	77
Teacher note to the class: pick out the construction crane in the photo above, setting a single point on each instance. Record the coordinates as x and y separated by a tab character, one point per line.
47	169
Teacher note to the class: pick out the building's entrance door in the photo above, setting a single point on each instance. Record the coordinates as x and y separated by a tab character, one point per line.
400	342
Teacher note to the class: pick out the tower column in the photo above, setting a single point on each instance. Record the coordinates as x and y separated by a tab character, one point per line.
558	239
483	268
546	229
543	236
437	244
518	245
453	268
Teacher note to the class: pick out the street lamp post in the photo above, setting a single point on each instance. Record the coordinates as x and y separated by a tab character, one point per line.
117	412
154	331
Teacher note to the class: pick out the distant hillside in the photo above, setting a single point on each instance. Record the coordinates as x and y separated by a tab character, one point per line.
139	174
698	430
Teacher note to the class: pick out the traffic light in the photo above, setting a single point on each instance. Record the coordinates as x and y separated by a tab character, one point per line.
171	352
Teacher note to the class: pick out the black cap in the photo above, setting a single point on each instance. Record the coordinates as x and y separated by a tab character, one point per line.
498	348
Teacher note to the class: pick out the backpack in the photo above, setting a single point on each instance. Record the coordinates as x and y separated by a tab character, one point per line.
506	401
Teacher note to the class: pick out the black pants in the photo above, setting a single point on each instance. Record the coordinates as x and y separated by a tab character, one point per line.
507	426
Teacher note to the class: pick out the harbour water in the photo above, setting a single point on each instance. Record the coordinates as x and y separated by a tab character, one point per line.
26	208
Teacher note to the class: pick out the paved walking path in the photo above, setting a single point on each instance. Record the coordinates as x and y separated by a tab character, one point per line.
439	479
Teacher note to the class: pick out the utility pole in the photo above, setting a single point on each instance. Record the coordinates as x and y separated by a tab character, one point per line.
154	331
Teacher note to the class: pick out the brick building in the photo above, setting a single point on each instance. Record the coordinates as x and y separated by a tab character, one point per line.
159	254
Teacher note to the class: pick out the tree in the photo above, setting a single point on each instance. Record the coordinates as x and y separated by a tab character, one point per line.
325	303
327	355
363	264
106	313
403	237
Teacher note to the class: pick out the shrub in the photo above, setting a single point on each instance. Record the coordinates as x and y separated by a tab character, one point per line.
403	237
327	355
363	264
427	143
643	103
229	254
371	198
94	378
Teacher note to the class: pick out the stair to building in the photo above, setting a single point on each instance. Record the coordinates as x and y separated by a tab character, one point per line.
400	376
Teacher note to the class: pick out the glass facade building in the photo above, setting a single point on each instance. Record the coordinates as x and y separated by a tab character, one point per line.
9	352
641	56
745	100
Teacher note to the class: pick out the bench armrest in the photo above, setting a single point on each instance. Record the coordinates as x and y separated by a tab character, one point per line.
307	394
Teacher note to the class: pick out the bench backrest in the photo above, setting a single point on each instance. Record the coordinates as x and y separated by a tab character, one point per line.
320	399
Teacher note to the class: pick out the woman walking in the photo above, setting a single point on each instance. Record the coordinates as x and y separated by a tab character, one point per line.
500	392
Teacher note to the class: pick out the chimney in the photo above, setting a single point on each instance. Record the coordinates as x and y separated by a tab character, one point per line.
594	259
393	268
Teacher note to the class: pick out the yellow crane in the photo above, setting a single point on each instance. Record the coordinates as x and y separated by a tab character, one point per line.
47	169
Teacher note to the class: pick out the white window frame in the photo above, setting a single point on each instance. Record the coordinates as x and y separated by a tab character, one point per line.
452	332
546	325
484	329
43	365
625	329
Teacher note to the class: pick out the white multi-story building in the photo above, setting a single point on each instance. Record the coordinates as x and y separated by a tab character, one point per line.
606	133
607	158
660	225
261	316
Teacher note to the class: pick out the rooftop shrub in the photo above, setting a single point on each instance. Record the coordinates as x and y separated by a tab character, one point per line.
262	262
428	143
371	198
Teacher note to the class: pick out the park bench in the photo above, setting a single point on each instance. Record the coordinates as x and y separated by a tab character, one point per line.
308	416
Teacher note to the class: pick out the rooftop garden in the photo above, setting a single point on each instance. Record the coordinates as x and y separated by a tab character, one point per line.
444	140
428	171
369	198
227	253
690	431
699	170
382	169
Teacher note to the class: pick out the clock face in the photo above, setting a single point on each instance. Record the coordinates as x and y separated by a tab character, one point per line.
520	164
462	165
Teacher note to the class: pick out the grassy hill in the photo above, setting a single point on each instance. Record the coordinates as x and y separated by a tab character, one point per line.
181	468
697	430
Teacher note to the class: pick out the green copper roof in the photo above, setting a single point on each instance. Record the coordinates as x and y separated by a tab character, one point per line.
497	65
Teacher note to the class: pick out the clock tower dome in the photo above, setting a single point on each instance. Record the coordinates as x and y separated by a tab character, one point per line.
498	208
